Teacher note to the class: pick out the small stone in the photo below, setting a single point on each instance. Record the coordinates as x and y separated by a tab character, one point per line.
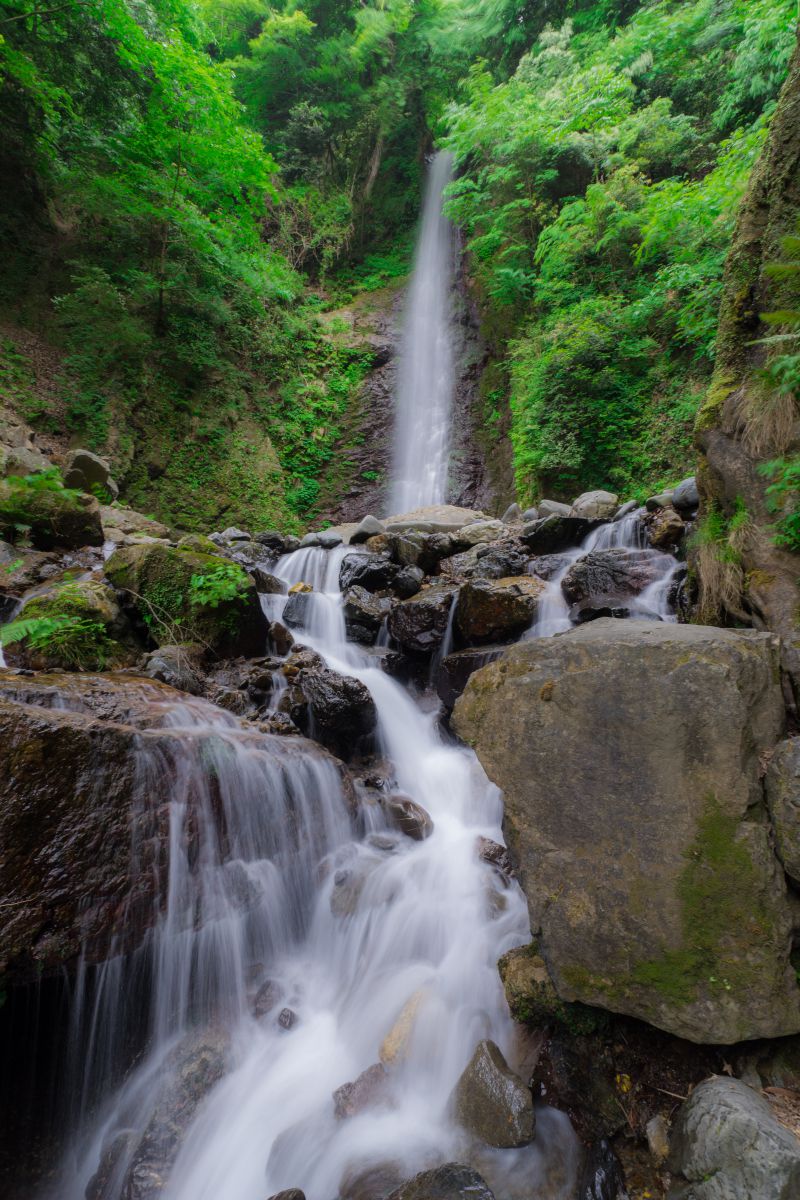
329	540
512	515
367	1090
289	1194
492	1103
281	637
270	538
300	587
266	998
408	816
480	531
664	528
287	1018
408	582
686	497
311	539
657	1132
266	583
530	514
659	501
394	1046
368	527
234	534
449	1182
553	508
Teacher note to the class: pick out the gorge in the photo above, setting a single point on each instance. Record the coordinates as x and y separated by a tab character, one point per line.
399	770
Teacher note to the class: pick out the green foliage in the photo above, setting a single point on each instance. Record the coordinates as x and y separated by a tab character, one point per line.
224	583
783	499
64	628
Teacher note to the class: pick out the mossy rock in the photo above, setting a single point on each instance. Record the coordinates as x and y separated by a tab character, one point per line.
183	595
198	543
52	515
76	625
533	1000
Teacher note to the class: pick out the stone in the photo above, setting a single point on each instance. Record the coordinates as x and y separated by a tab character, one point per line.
420	623
364	614
329	540
602	1176
272	539
95	633
496	856
266	583
234	534
266	998
159	584
435	518
368	1090
492	1103
368	527
499	559
783	797
556	532
553	508
289	1194
657	1133
665	528
287	1018
608	576
662	500
480	531
310	539
280	637
408	816
370	571
531	514
131	523
395	1045
492	610
299	587
512	515
340	708
595	505
625	510
87	471
629	757
686	497
455	669
449	1182
727	1145
407	582
460	566
296	611
54	516
180	666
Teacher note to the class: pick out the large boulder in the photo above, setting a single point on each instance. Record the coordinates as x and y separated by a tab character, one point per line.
374	572
491	1102
419	624
727	1145
450	1182
455	669
54	515
492	610
88	472
556	532
364	614
629	754
179	595
340	708
499	559
606	576
783	798
595	505
76	625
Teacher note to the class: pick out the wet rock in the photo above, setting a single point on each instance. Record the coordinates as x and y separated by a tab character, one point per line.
496	856
373	1182
413	549
266	583
310	539
367	1091
626	509
512	515
634	747
602	1176
348	884
329	540
556	532
455	669
340	708
408	582
180	666
364	614
500	559
160	586
686	497
368	527
550	508
727	1145
491	1102
419	624
287	1018
460	566
595	505
300	587
783	798
480	531
297	610
370	571
272	539
95	633
657	1134
89	472
606	576
449	1182
395	1045
665	528
280	637
491	610
618	613
54	517
289	1194
266	998
548	565
408	816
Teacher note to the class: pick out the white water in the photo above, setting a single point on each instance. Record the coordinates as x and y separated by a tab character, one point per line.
426	373
554	615
427	924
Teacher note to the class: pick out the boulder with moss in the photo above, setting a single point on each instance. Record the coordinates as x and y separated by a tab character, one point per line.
49	514
630	756
181	595
75	625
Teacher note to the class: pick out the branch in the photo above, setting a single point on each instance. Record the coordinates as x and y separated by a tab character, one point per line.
47	12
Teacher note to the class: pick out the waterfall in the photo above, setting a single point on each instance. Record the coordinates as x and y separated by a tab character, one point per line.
297	931
426	373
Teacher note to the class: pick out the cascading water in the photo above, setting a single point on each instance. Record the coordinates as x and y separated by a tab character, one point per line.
270	891
426	375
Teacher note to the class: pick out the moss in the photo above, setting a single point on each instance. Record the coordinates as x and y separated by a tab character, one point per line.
708	415
533	1000
73	627
722	914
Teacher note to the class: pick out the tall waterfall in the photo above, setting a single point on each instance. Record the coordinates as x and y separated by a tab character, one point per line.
426	375
300	941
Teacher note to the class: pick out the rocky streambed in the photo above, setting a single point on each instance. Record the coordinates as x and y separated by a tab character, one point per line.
233	750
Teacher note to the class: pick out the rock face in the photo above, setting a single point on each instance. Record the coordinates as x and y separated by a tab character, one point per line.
86	471
556	532
608	575
340	707
455	669
628	753
491	610
783	798
727	1145
419	624
450	1182
491	1102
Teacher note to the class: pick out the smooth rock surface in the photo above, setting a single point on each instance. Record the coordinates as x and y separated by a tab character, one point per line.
686	497
491	610
783	798
727	1145
629	755
598	504
491	1102
450	1182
